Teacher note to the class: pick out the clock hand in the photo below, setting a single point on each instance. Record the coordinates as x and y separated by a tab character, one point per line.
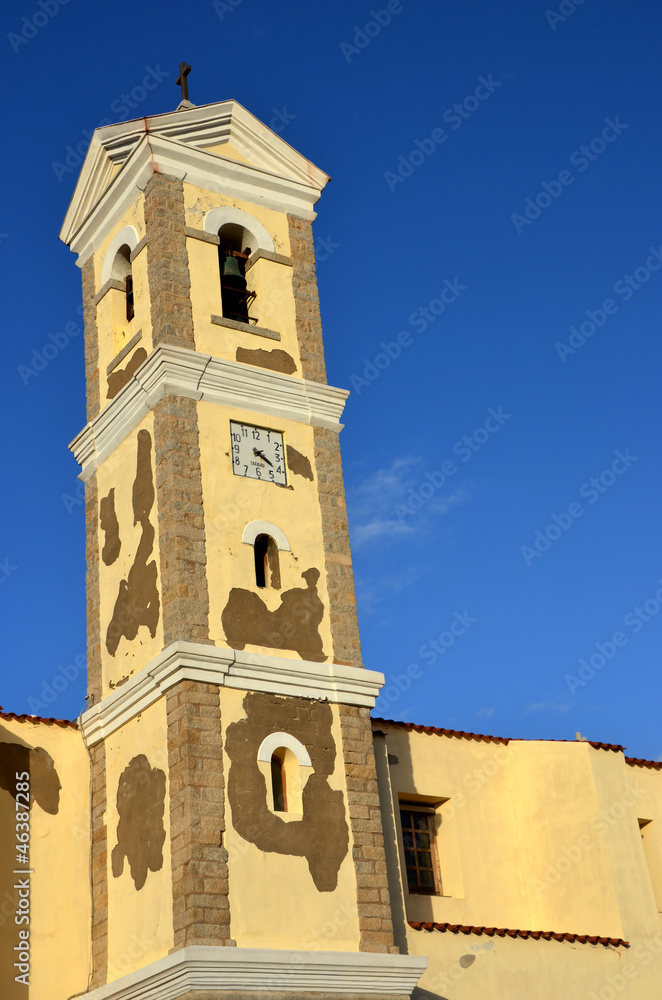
260	454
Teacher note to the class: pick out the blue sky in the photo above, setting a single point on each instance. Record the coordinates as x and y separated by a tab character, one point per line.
495	184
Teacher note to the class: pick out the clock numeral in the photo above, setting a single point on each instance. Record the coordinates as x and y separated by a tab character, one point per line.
256	435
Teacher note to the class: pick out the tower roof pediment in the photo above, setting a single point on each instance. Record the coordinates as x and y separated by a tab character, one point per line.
187	143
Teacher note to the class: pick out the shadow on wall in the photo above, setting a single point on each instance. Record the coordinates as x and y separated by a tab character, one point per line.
19	758
321	836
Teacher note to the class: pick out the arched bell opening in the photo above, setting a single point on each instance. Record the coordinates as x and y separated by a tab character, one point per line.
279	780
122	271
235	247
267	564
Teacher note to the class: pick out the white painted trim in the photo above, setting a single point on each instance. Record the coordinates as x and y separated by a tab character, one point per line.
104	198
274	741
230	668
265	970
127	235
226	214
177	371
255	528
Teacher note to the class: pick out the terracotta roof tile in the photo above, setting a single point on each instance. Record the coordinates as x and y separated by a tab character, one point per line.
433	731
12	716
509	932
656	765
505	740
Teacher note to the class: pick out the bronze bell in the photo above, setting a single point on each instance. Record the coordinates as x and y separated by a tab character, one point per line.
231	267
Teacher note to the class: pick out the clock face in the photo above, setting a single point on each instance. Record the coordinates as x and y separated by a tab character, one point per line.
257	453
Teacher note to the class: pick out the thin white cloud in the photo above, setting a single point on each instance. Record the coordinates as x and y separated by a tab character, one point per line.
485	713
399	501
547	706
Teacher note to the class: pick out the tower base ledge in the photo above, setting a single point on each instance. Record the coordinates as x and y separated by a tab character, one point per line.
191	661
221	972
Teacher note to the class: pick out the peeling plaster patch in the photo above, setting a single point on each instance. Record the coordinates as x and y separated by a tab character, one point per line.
140	830
322	835
44	780
294	625
298	463
118	379
110	526
138	597
276	360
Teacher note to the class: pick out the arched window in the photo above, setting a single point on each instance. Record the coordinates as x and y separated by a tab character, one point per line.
234	249
279	780
285	764
122	272
267	564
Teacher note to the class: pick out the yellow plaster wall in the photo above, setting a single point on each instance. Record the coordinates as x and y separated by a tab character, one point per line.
228	150
114	331
198	201
478	821
273	308
547	831
645	783
548	839
232	502
467	967
139	921
59	885
620	791
273	900
274	305
119	471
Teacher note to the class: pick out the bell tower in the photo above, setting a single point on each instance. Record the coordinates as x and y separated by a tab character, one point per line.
237	842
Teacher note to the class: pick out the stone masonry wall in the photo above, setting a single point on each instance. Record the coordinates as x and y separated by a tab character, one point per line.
167	262
373	900
99	867
306	299
197	816
337	552
91	340
94	679
182	544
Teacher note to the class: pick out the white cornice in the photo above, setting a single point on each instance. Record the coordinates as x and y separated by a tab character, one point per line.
189	661
175	144
178	371
199	969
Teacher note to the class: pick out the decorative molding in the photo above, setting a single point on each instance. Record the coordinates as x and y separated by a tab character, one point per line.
255	528
105	288
138	248
198	969
274	741
123	353
277	258
233	324
127	236
178	371
200	234
232	668
275	175
225	215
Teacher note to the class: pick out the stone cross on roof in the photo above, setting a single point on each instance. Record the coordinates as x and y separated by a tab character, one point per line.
182	79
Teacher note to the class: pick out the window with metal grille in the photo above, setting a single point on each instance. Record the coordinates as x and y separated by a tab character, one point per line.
418	836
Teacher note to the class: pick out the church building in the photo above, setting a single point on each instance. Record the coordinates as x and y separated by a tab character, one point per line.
226	820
